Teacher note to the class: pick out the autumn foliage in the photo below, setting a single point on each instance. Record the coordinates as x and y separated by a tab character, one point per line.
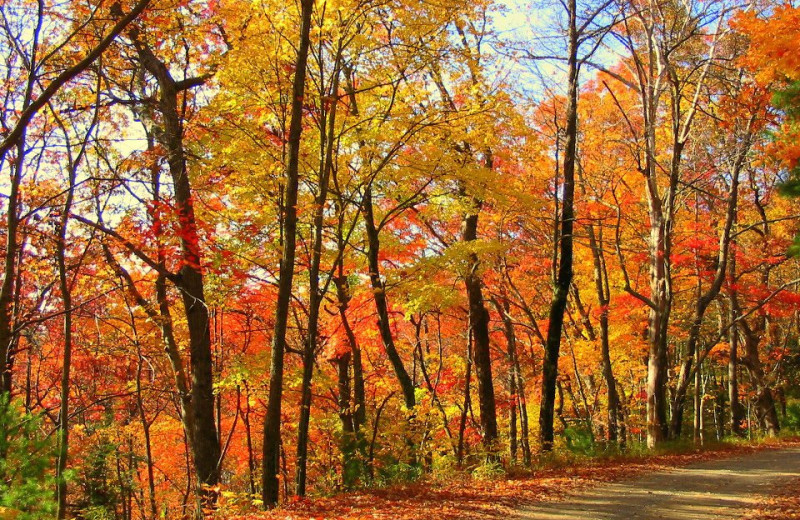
195	343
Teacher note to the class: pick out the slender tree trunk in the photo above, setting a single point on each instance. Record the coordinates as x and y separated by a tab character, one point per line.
431	385
316	293
309	355
12	246
764	403
251	462
512	384
272	421
349	441
12	250
359	394
737	410
462	423
379	292
148	453
523	415
65	287
66	297
704	299
9	276
354	420
698	402
564	276
614	410
504	311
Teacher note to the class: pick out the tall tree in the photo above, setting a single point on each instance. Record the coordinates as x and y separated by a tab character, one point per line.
579	31
654	36
206	448
272	422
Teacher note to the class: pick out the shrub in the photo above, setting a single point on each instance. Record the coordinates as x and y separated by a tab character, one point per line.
26	478
489	470
792	420
579	440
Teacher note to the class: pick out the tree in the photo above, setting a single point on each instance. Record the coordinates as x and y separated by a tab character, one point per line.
654	36
272	422
579	31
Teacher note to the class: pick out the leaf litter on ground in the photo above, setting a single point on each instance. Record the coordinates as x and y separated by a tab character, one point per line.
466	497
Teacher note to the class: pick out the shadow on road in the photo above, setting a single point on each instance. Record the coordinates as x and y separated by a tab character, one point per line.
706	491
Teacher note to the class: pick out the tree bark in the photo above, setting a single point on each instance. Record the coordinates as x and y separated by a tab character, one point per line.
12	246
513	379
66	297
737	410
353	410
764	403
359	394
272	421
462	423
381	304
698	402
706	298
614	410
315	292
564	275
479	323
206	448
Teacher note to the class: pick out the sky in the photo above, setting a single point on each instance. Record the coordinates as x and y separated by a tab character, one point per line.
536	26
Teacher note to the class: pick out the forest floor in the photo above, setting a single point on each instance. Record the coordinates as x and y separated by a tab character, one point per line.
753	482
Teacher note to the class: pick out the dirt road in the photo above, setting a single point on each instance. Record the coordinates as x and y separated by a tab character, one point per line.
720	489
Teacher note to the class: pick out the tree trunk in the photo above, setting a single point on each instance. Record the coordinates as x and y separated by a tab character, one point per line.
431	385
359	395
614	410
764	404
698	402
9	276
564	276
315	294
462	423
349	443
12	247
479	322
737	410
66	297
379	295
704	299
251	462
656	388
513	378
661	218
354	419
148	453
272	421
523	415
190	282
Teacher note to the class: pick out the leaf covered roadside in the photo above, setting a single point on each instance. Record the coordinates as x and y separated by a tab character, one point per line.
784	505
466	497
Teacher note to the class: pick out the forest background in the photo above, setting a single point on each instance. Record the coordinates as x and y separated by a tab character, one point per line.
254	251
